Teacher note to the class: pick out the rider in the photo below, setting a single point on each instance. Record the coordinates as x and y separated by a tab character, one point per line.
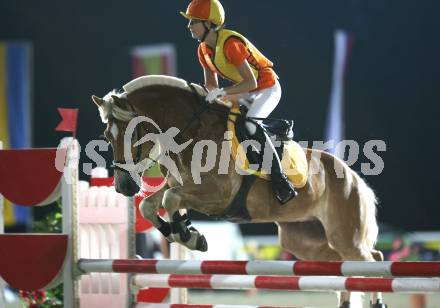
229	54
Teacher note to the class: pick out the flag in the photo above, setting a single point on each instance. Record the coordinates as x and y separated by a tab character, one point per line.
68	124
335	116
153	60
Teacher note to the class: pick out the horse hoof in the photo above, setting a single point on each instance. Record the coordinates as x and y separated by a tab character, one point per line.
345	305
202	244
378	304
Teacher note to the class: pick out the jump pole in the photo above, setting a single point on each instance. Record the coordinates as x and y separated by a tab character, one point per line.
291	283
286	268
200	306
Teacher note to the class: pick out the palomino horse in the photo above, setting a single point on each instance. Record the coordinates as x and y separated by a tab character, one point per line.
332	219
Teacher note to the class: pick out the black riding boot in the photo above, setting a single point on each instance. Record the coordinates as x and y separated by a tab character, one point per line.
284	190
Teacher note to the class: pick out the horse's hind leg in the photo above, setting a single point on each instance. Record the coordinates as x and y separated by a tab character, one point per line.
351	237
351	250
307	241
376	298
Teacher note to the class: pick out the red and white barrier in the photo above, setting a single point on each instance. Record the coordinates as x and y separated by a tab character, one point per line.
305	268
105	230
292	283
97	223
97	246
201	306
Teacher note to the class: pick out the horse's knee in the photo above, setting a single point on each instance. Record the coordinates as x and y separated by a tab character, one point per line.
171	201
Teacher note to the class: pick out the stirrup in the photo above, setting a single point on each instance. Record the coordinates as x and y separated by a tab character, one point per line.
286	198
283	189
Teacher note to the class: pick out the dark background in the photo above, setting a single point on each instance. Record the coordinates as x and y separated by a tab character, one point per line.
392	91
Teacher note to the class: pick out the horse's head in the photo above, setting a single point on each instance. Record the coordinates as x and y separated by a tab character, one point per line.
122	134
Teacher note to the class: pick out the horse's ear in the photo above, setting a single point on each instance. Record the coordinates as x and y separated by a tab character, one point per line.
115	99
98	101
118	101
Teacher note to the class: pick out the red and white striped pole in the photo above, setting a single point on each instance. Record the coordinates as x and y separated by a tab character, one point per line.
303	268
199	306
295	283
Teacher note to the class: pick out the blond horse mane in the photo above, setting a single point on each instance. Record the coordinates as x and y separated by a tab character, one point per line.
110	109
150	80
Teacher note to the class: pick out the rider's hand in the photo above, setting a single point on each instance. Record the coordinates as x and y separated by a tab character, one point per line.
214	95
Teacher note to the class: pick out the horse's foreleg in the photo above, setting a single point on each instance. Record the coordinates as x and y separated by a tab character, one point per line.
149	209
184	197
185	234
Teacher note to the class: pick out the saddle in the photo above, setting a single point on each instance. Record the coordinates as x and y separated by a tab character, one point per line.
293	158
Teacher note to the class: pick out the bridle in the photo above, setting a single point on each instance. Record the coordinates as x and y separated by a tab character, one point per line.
116	164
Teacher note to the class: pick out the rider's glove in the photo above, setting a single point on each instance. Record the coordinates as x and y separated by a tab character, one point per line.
215	94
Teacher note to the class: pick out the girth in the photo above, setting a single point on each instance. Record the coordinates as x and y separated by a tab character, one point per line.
237	211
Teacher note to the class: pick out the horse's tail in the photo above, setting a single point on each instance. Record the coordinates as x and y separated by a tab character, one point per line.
368	203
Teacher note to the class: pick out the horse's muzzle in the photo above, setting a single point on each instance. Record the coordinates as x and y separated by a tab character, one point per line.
125	185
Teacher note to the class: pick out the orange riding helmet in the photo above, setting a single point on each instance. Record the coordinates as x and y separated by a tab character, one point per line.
209	10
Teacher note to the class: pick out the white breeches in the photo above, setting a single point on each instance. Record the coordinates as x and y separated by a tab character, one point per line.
263	103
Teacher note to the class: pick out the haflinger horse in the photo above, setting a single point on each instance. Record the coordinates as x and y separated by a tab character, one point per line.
333	218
